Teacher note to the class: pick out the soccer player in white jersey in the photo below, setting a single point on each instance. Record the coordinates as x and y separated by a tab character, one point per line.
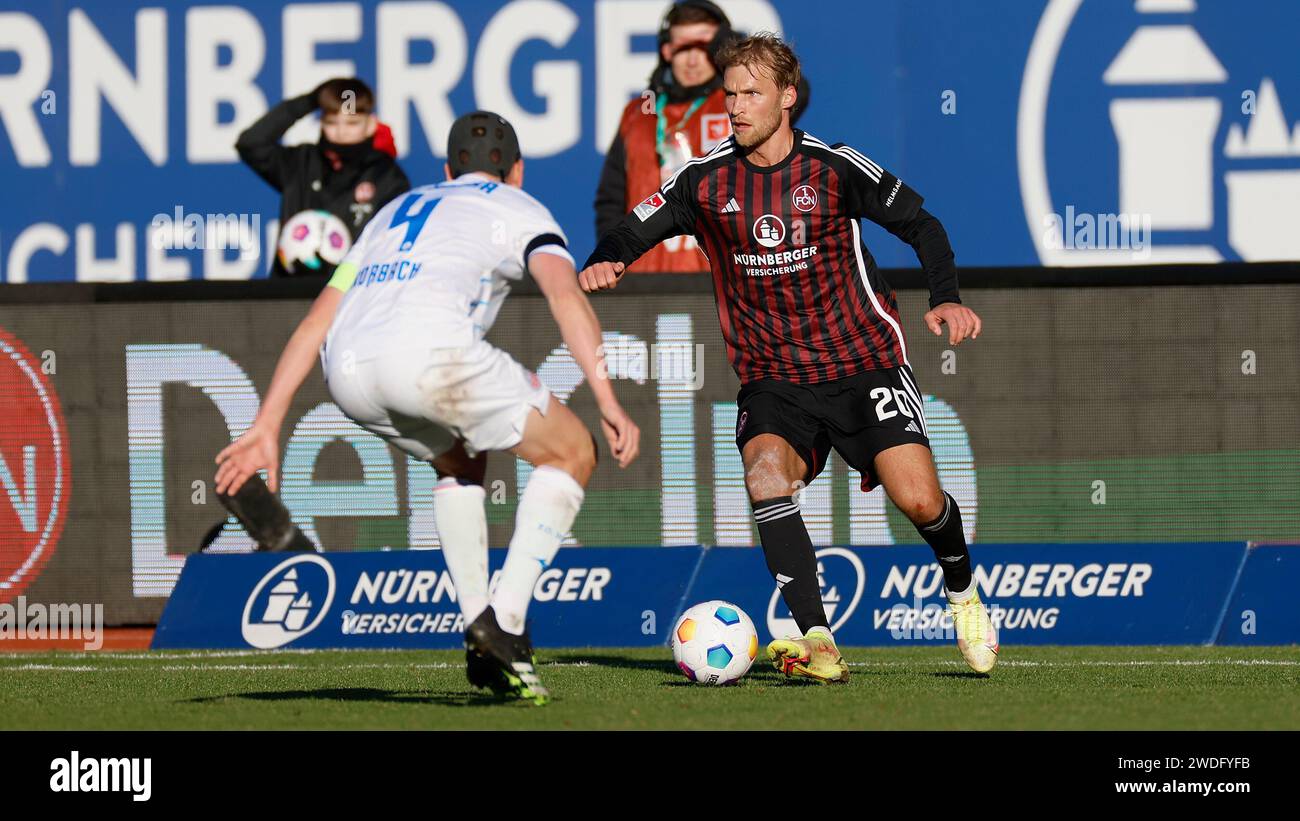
402	325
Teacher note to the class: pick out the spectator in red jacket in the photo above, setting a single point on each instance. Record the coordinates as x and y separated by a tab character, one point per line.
685	116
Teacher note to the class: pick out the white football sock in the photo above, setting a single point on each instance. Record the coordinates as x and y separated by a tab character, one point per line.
462	531
546	512
963	596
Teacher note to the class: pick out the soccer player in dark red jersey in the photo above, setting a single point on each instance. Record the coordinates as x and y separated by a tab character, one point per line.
813	331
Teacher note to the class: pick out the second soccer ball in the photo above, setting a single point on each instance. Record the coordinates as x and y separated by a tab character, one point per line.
311	239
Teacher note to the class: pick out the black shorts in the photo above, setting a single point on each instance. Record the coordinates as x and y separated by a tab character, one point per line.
858	416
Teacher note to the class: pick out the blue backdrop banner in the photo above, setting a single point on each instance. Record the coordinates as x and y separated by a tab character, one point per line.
622	597
1060	132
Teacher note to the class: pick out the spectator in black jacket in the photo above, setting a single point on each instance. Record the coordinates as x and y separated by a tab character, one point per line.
352	172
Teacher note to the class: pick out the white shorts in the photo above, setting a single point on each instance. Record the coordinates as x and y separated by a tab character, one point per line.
422	402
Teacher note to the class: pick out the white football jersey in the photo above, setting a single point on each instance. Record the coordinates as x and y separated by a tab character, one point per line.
432	268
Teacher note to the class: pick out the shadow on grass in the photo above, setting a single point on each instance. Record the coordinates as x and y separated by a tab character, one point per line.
960	674
620	662
460	698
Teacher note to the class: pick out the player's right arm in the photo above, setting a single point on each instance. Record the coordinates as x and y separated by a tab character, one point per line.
259	447
666	213
581	331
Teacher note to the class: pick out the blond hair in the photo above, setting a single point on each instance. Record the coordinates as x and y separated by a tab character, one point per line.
768	52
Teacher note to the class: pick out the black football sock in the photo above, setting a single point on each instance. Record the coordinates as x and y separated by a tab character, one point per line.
791	560
946	537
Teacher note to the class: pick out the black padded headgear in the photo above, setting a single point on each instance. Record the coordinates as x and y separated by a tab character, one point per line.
482	141
710	8
661	79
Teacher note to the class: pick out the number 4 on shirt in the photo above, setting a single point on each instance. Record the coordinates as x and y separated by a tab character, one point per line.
414	221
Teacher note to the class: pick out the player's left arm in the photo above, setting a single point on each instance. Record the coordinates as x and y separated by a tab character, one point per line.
876	194
927	237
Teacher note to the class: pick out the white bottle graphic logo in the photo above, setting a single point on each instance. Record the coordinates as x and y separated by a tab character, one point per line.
286	605
1166	146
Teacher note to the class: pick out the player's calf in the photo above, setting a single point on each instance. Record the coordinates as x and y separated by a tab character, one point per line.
563	455
773	470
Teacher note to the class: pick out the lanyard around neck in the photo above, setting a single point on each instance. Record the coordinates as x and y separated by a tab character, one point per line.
661	120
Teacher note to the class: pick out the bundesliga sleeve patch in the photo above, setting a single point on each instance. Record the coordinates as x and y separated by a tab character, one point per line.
649	206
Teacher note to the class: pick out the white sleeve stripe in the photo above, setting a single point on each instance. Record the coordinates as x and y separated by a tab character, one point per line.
867	166
707	157
861	160
846	148
556	250
864	158
864	169
711	155
726	142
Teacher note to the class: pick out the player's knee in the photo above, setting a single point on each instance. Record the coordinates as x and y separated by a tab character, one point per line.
765	475
578	457
585	458
457	464
920	507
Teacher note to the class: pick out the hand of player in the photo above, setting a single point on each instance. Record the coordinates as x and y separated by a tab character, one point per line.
962	322
258	449
602	276
622	434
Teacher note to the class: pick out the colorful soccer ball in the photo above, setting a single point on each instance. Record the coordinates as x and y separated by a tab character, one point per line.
312	239
714	643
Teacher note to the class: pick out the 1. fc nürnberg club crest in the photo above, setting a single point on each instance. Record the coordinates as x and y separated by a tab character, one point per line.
34	472
804	198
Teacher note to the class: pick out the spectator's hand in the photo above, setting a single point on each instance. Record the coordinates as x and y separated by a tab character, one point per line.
602	276
962	322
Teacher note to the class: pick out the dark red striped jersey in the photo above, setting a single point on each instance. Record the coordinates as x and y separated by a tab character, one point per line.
799	295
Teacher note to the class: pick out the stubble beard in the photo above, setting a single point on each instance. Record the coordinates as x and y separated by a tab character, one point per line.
759	132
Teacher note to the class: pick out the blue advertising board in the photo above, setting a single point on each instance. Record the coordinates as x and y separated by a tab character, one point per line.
1037	594
1063	594
405	599
1262	608
1056	132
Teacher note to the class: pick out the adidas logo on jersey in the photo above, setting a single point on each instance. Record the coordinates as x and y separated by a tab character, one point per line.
912	428
731	207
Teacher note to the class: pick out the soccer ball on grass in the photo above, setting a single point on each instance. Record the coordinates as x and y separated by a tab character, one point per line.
714	643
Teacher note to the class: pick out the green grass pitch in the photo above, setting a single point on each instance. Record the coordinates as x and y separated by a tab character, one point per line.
1073	688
